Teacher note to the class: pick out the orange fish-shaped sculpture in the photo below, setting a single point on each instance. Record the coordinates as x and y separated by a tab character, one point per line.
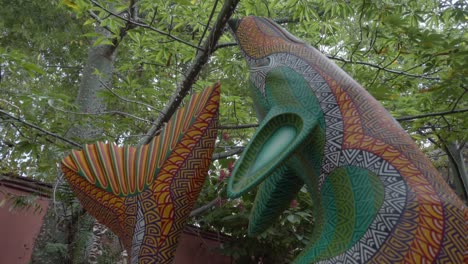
145	194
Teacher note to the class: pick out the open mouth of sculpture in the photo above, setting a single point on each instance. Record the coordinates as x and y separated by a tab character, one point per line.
278	136
273	147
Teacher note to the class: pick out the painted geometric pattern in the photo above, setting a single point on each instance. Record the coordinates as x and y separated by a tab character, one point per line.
395	194
420	220
326	100
418	236
176	189
138	191
138	234
129	170
106	207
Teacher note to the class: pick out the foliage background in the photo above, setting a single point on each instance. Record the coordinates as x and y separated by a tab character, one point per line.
411	55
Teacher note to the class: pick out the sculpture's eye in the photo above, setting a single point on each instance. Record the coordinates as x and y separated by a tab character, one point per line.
262	62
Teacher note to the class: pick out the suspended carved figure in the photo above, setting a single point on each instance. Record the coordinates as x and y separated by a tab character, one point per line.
377	198
145	194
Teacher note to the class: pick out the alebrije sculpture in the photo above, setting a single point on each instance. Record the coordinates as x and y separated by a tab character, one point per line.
377	198
145	194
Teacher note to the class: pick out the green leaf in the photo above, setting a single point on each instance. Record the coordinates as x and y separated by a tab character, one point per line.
31	67
102	41
294	219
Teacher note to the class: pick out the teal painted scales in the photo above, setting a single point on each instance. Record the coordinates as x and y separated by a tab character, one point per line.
377	198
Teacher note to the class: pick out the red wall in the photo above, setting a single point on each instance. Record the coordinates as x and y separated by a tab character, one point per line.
197	247
19	228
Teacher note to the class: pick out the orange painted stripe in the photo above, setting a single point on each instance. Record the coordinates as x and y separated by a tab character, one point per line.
129	159
69	163
176	128
82	165
117	158
201	102
140	165
153	158
106	161
188	120
94	164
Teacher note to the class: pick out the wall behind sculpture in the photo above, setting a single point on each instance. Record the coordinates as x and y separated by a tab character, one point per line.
198	247
19	228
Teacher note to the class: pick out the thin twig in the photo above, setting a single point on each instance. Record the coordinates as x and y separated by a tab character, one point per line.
98	19
458	100
154	16
200	210
383	68
193	71
237	126
128	100
360	32
63	67
208	24
228	153
225	45
407	118
113	112
11	104
231	44
145	26
404	118
41	129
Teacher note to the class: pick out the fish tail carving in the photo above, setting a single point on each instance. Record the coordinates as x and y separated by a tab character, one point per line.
145	194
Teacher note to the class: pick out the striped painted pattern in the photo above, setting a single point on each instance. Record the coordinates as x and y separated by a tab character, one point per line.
128	170
145	194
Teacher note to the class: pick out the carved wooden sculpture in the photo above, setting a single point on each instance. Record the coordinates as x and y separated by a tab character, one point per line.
145	194
377	198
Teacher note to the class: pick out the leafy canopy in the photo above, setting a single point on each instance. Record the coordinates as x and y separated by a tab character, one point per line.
411	55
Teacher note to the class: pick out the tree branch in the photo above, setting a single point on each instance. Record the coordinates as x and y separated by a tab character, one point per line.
208	24
458	99
73	143
226	154
96	17
200	210
145	26
231	44
128	100
407	118
194	69
112	112
383	68
225	45
237	126
400	119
